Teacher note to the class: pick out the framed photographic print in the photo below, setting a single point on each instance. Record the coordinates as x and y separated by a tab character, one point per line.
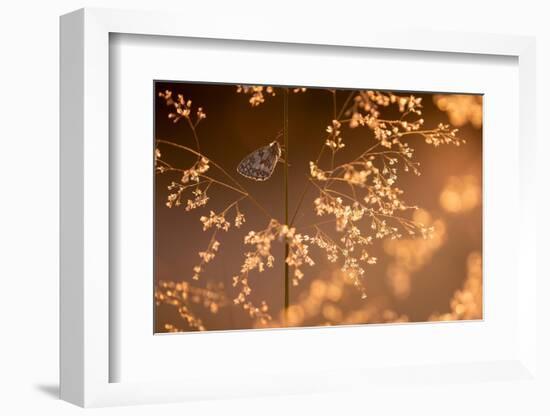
277	214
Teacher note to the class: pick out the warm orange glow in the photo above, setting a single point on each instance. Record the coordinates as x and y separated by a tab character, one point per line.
461	194
467	303
295	207
410	255
462	109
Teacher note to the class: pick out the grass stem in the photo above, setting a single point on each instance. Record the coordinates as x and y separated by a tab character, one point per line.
286	147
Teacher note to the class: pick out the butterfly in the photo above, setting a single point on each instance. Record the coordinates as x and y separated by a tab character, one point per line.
260	164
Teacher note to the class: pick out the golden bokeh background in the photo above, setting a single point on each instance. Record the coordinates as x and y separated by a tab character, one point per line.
413	280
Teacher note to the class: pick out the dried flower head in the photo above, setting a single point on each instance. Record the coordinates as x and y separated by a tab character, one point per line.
257	93
183	296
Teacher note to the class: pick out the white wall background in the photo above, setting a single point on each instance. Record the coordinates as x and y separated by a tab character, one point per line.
29	116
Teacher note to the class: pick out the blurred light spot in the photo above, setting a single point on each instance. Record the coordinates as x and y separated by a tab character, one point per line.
318	288
332	313
334	292
410	255
422	216
461	109
460	194
295	315
467	303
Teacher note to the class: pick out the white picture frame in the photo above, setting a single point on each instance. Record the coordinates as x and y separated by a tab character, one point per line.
86	356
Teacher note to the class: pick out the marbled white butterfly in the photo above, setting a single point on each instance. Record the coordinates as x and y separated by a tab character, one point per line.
260	164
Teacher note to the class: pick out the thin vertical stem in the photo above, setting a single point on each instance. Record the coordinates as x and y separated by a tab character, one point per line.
285	143
333	134
308	183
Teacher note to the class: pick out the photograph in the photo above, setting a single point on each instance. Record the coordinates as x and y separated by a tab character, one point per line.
268	208
299	206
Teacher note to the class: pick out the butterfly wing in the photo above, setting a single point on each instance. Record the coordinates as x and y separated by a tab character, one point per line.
260	164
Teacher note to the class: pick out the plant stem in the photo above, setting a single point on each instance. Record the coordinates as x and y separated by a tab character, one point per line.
285	140
338	117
